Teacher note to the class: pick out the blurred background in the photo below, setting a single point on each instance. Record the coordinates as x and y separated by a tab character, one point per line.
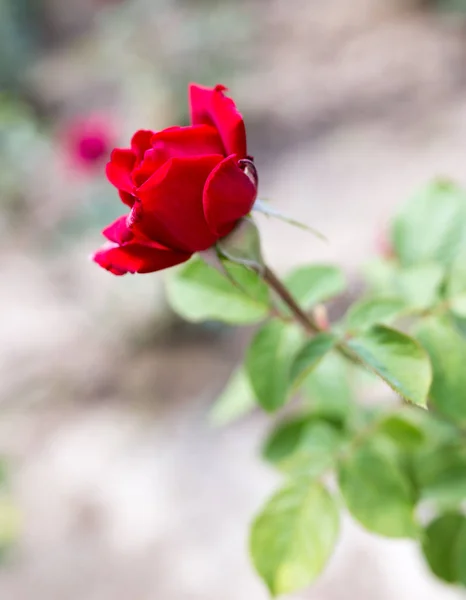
124	490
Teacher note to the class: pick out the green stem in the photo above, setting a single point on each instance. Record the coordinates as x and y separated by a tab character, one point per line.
274	283
307	321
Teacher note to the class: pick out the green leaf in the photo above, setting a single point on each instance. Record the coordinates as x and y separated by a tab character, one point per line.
317	452
456	285
441	546
294	535
311	285
403	430
198	292
431	226
371	311
284	439
329	389
397	359
309	356
381	275
440	474
9	523
377	493
457	305
447	351
236	400
420	285
461	554
304	445
268	362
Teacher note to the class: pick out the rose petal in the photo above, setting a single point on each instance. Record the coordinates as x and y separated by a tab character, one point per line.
211	107
171	209
118	231
127	198
119	169
177	142
188	141
153	160
140	142
137	258
229	194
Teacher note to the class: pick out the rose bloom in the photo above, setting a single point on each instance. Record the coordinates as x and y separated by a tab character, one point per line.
88	141
186	187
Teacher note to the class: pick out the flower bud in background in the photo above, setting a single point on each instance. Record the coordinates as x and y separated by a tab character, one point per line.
87	142
186	187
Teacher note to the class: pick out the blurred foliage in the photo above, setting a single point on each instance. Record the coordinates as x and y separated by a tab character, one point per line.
449	5
20	36
9	514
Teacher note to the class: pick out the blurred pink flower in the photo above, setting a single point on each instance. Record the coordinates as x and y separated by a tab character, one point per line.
87	142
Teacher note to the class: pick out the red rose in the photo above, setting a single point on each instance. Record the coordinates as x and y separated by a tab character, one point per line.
184	185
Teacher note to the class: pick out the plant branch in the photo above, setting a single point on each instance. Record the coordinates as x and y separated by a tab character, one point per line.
277	286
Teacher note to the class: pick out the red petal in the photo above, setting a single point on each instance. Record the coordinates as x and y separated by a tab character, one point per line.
228	195
172	204
140	142
188	141
127	198
211	107
119	169
177	142
118	231
153	160
137	258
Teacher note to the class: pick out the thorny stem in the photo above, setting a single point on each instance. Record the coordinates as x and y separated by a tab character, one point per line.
305	320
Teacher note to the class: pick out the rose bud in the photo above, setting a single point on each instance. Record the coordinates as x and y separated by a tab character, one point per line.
186	187
88	141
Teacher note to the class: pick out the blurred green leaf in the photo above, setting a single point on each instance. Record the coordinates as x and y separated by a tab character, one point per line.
397	359
456	6
198	292
9	523
420	285
309	356
456	285
381	275
461	554
441	546
328	388
294	535
431	226
377	492
268	362
304	445
236	400
371	311
284	439
402	430
458	305
310	285
440	474
447	351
